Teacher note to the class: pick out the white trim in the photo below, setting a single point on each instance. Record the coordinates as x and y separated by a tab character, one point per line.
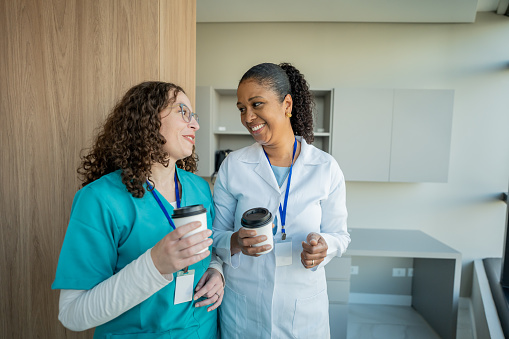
488	310
380	299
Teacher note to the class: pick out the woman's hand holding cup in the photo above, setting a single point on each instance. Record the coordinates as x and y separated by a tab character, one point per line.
255	236
244	240
173	253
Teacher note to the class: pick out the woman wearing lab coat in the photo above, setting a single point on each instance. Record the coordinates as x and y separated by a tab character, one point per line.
283	293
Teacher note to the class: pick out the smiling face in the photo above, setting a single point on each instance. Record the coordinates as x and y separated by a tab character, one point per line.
178	133
262	113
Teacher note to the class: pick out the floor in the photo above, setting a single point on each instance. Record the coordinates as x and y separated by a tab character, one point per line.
400	322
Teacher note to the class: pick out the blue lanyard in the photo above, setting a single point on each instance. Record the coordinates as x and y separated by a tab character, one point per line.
177	195
282	210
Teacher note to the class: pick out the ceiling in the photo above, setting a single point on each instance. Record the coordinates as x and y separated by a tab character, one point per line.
404	11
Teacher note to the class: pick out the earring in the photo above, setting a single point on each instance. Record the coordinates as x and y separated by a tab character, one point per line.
288	115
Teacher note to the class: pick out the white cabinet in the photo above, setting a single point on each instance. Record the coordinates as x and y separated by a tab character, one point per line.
421	135
220	126
361	140
400	135
383	135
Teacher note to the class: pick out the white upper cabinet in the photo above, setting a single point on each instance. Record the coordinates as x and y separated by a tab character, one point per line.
421	135
383	135
392	135
361	133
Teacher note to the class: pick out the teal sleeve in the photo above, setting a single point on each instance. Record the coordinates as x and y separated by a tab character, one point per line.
89	251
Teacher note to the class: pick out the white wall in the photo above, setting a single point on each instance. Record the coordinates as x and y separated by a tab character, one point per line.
472	59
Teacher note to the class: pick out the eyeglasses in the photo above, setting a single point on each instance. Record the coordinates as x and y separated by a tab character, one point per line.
187	115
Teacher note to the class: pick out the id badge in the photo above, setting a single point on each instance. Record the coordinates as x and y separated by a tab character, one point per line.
184	287
284	252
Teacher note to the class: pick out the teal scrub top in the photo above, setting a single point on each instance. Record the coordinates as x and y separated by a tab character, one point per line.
108	229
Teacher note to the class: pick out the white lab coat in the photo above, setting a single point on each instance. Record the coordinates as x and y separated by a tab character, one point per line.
262	300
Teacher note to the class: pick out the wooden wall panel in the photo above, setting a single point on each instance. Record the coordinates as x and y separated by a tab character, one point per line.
63	65
178	43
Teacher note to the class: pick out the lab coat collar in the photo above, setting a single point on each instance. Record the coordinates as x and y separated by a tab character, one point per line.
254	154
309	155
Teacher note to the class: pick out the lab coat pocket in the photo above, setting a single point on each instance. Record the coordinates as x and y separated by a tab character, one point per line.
311	318
233	314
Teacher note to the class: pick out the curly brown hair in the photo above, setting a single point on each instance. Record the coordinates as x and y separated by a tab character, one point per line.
130	140
285	79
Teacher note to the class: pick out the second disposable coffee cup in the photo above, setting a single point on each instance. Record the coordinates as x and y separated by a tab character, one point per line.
187	214
259	219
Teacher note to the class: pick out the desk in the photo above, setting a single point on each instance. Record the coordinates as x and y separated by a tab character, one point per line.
437	271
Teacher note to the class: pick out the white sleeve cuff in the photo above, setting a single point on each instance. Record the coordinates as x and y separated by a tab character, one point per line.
222	245
217	264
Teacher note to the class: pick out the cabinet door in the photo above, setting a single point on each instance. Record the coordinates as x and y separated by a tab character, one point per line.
421	135
338	268
361	133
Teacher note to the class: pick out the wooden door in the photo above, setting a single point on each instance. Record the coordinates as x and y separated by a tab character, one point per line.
63	65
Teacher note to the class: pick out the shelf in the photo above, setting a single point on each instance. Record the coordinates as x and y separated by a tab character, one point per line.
232	133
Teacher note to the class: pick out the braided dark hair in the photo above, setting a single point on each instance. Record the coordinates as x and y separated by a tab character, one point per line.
285	79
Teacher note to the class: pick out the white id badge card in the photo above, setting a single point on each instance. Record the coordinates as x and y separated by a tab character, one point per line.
284	252
184	287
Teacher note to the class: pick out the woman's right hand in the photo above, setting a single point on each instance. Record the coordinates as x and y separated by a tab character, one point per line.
243	241
172	253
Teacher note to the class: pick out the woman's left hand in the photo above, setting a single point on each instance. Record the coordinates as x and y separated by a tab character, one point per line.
314	250
211	286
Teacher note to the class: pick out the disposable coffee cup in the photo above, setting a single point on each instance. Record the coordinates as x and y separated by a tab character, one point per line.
260	220
185	215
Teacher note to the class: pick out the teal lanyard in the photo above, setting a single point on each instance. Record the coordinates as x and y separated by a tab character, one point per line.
282	210
160	203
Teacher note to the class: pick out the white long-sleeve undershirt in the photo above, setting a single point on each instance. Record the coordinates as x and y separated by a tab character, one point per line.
80	310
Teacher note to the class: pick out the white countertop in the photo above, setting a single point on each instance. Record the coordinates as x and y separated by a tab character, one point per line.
397	243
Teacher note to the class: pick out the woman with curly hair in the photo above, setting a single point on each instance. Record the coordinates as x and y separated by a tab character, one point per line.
283	293
123	263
